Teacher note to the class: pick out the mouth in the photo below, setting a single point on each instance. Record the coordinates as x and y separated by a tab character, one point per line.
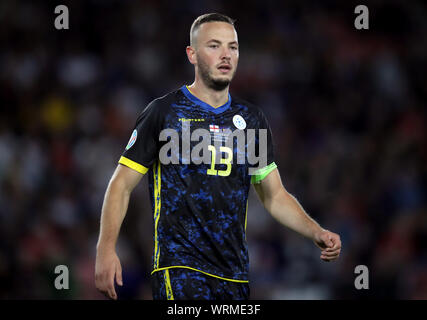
224	68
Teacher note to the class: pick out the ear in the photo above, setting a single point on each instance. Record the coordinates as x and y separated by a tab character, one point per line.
191	54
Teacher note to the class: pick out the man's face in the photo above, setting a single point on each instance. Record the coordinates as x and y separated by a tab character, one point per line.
217	53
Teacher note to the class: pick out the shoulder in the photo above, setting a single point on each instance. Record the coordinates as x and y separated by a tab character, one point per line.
165	101
161	105
251	109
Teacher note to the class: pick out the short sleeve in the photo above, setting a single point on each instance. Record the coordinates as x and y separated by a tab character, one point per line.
263	172
142	148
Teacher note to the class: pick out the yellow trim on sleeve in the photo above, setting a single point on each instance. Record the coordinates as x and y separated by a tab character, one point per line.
168	286
194	269
133	165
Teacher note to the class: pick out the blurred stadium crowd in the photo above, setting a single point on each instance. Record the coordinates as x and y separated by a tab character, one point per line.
346	109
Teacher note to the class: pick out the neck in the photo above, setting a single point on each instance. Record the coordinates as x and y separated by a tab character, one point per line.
210	96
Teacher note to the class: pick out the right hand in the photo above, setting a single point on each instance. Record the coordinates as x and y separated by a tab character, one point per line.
108	268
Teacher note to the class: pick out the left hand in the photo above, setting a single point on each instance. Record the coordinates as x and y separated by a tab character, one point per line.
329	243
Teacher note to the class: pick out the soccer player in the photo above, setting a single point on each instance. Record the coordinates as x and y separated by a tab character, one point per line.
199	208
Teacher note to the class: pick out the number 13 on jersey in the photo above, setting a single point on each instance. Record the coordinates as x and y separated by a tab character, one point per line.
227	161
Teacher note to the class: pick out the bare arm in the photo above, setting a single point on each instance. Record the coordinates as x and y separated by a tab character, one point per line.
114	208
115	205
287	210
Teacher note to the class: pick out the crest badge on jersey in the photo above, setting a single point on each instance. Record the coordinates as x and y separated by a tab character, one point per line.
132	139
239	122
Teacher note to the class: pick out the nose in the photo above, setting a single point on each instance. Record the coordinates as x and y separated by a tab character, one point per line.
226	53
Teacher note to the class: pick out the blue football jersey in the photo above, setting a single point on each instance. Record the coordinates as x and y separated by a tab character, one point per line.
199	207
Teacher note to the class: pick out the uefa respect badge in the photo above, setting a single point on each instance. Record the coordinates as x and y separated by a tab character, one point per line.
239	122
132	139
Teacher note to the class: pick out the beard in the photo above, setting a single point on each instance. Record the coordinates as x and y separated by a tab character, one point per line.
209	81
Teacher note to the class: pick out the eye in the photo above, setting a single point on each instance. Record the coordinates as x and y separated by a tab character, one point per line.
213	46
233	48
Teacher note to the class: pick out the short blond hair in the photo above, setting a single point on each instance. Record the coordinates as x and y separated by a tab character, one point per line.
208	17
